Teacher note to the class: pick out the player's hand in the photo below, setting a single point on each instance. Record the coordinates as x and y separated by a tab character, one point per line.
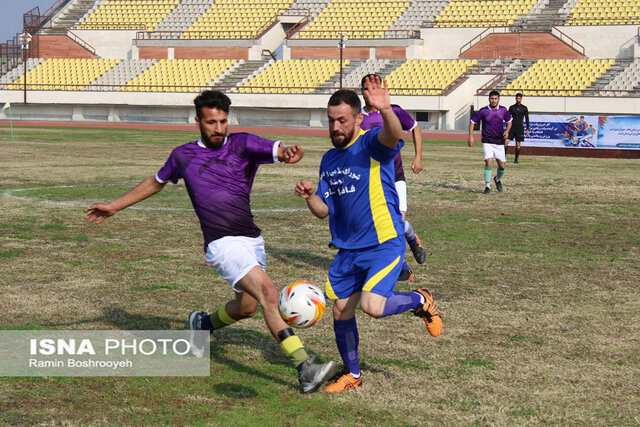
505	135
293	154
304	189
527	132
416	165
376	93
470	141
99	212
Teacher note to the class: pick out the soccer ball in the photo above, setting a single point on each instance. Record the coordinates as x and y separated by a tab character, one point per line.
301	304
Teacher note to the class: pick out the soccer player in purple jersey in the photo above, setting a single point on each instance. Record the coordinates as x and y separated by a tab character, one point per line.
218	171
356	191
372	118
494	138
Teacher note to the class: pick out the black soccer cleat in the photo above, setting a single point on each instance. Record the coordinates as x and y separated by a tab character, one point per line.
498	184
419	253
487	190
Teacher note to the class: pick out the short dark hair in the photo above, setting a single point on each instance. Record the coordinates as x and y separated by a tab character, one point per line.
518	95
346	96
212	99
368	75
494	92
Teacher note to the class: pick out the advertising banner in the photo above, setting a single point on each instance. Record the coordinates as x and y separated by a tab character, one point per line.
583	131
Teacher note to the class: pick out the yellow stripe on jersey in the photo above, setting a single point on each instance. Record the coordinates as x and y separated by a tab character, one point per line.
371	283
328	289
379	209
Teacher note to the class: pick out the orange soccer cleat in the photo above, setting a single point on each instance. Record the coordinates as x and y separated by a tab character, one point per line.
345	382
429	312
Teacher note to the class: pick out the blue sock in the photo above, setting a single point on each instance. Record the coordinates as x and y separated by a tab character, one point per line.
400	302
405	266
347	339
409	234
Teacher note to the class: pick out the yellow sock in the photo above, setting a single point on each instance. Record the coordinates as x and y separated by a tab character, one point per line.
293	348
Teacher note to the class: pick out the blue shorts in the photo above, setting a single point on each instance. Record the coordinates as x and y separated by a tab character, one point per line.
374	269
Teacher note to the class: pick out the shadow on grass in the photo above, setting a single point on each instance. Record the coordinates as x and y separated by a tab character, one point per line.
447	186
299	257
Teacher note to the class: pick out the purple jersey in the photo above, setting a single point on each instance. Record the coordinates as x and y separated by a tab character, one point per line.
492	123
219	181
374	119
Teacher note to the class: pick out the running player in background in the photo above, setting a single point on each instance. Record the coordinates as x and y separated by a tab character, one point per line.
520	113
218	171
357	192
372	118
494	138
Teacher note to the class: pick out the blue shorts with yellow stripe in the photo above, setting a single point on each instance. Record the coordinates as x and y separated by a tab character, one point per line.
374	269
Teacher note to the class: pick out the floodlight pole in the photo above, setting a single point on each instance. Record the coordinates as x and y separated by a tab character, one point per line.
341	43
25	38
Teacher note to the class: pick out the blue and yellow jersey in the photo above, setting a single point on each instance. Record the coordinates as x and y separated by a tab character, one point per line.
357	184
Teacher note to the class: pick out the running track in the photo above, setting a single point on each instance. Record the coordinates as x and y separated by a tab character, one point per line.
447	136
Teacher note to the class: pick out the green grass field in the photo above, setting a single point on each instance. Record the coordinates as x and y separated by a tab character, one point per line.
538	286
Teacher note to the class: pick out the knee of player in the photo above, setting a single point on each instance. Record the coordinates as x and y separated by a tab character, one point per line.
373	310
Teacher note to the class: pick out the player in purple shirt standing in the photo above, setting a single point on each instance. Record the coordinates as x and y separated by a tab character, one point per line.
372	118
218	171
494	138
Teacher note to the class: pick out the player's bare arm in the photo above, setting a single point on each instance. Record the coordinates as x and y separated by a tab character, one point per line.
100	212
291	154
416	165
506	132
315	204
377	96
471	141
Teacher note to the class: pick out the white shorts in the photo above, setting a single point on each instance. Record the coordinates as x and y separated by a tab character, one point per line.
494	151
234	256
401	189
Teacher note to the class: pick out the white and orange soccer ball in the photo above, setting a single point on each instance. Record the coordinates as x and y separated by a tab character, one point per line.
301	304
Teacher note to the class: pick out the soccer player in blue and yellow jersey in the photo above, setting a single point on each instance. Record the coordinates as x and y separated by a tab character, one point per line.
494	138
356	190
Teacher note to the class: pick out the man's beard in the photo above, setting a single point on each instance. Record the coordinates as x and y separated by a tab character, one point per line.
341	144
209	143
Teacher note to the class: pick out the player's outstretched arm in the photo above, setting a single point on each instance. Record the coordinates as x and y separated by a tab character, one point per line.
100	212
416	165
315	204
471	141
377	96
291	154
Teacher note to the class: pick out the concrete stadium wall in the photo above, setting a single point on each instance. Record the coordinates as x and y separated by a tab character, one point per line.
611	41
109	44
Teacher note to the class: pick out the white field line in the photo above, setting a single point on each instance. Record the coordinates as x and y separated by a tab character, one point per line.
10	194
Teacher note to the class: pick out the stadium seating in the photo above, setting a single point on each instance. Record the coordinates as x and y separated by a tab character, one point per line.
235	19
128	14
361	19
558	77
65	74
419	12
426	76
628	79
477	13
293	76
605	12
179	75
